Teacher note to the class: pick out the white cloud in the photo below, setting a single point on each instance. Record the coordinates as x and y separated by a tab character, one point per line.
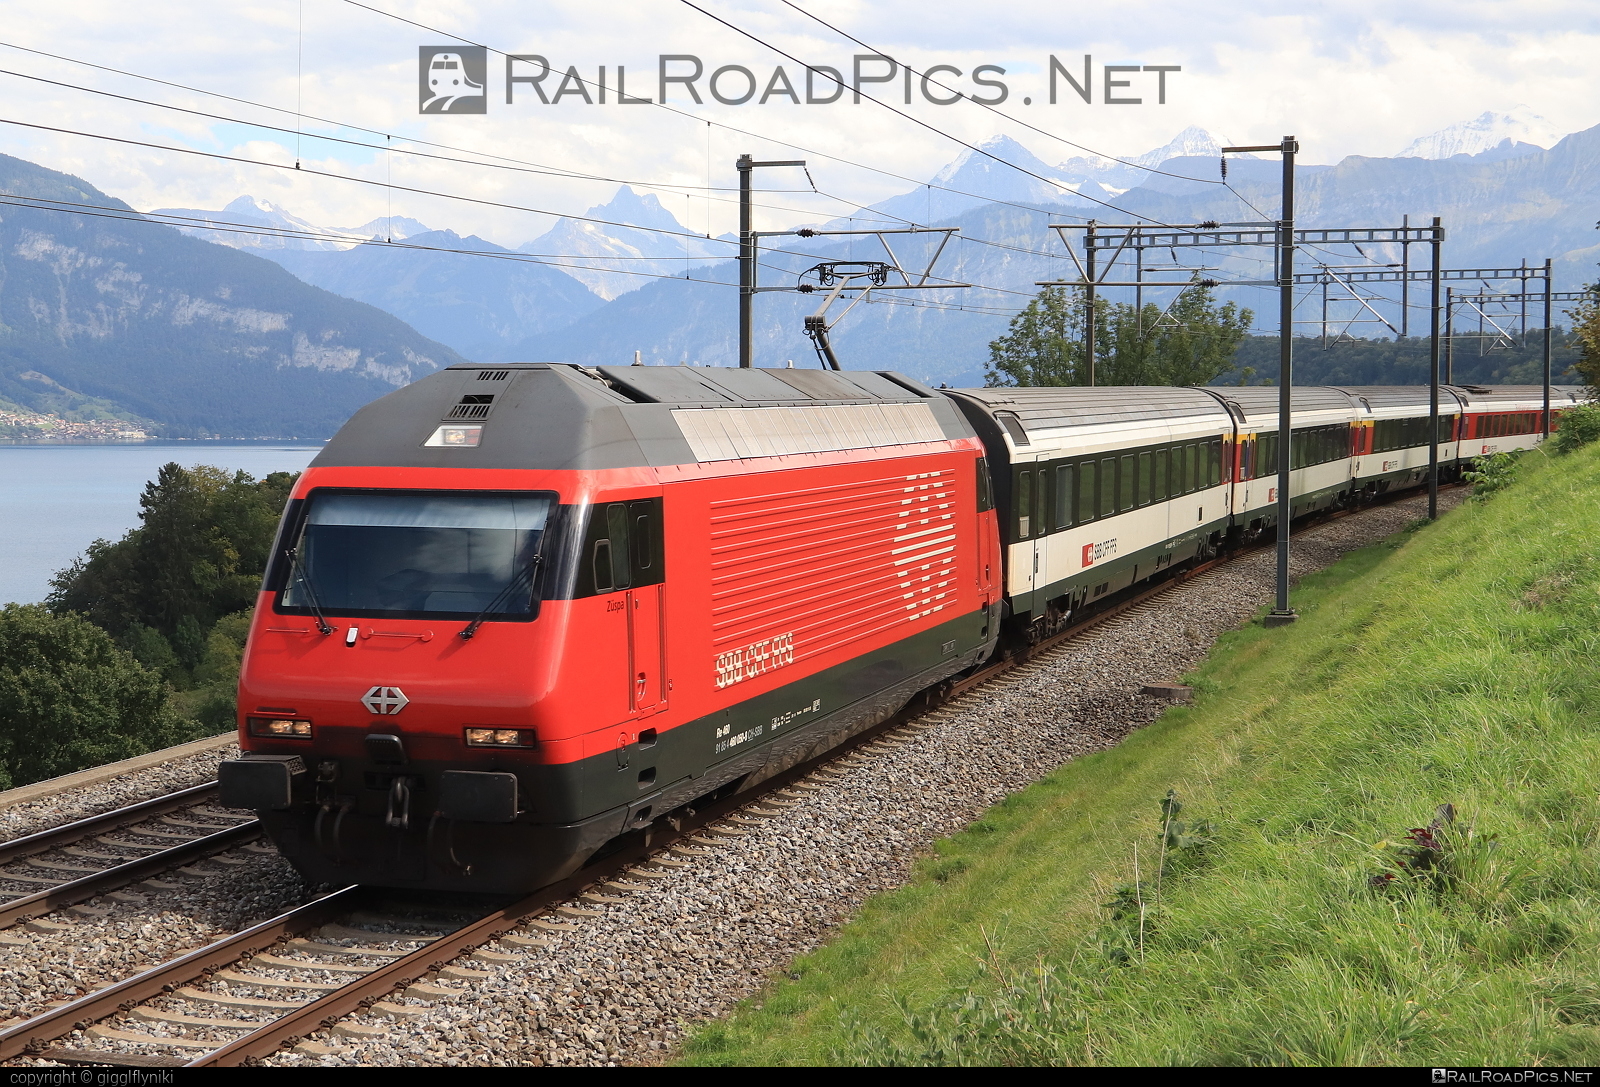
1347	78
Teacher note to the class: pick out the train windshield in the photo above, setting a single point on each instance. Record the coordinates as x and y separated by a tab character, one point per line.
419	555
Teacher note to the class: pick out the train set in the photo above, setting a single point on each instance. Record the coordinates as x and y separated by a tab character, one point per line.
517	614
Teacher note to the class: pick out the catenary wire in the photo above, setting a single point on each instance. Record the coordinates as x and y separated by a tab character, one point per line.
918	121
739	131
517	164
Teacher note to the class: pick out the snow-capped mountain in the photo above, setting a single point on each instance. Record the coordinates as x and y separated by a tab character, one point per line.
607	259
1497	132
395	227
1109	177
973	179
247	211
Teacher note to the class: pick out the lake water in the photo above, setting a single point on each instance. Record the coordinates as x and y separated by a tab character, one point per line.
57	499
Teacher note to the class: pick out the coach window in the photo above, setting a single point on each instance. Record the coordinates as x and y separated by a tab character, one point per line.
1108	486
1125	483
1064	503
1163	483
1086	491
1041	498
1024	504
1146	463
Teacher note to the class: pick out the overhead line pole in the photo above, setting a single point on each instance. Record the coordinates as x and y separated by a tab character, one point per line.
747	255
1282	614
1432	378
1449	335
1547	318
1088	302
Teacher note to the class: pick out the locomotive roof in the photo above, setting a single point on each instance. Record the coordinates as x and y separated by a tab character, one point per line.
562	416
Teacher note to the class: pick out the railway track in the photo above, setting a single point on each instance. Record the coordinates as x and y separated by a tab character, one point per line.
77	861
249	994
311	966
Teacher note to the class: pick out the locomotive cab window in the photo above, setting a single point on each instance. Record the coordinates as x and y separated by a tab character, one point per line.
623	548
417	555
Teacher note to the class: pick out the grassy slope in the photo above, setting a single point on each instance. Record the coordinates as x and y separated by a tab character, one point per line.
1458	665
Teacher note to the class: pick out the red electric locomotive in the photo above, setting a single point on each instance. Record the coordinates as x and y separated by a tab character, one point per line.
517	612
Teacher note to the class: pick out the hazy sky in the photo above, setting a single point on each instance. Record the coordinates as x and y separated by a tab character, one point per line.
1349	78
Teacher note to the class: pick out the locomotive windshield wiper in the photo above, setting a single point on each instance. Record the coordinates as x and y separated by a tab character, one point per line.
524	575
297	571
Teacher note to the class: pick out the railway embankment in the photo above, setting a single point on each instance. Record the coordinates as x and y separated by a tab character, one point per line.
1372	838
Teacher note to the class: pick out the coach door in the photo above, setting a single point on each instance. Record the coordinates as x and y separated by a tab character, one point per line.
646	605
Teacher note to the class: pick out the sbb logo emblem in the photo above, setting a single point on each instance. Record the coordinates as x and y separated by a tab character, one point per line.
385	701
452	78
1094	552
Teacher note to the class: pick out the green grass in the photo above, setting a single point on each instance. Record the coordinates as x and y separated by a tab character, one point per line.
1454	664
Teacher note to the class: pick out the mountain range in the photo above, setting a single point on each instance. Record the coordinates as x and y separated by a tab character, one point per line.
110	317
193	323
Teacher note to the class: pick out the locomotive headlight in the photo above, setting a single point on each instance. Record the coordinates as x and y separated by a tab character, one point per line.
461	437
500	737
279	727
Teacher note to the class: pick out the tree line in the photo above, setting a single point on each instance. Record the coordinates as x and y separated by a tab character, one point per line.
138	645
1196	341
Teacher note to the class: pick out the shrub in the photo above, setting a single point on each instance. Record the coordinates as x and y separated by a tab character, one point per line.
70	698
1492	474
1579	427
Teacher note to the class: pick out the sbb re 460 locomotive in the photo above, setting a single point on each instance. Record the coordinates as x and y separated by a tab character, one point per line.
517	613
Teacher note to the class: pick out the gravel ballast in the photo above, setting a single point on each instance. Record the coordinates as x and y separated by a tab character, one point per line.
56	809
620	977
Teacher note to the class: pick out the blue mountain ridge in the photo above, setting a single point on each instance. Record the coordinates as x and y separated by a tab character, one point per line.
132	317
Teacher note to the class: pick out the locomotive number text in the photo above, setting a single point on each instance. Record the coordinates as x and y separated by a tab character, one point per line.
753	660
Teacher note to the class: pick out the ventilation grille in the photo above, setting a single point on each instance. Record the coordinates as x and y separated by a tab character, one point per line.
874	554
472	406
493	375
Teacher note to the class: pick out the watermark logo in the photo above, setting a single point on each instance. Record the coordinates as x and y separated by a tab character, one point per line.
452	79
455	79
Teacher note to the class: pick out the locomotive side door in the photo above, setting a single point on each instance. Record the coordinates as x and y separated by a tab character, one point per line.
646	606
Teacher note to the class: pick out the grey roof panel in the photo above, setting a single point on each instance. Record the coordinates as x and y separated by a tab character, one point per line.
1488	394
823	384
666	385
1049	408
751	386
1260	402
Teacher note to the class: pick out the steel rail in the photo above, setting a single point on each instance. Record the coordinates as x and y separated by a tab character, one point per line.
68	833
98	883
35	1034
